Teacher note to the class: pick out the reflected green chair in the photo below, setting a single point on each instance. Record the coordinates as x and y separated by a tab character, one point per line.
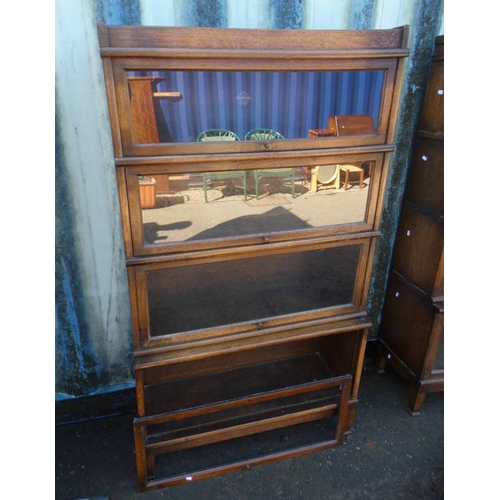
215	135
268	134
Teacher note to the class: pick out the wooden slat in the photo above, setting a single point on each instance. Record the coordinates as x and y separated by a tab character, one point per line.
240	430
249	161
266	248
146	454
264	54
273	336
236	466
235	39
243	415
236	403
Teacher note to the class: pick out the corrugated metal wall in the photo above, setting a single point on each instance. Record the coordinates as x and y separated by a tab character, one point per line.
93	337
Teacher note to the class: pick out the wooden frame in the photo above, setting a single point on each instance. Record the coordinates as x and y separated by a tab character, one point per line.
133	149
191	355
146	452
154	49
194	165
304	356
143	341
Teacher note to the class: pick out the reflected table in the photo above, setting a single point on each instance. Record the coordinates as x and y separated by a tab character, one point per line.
320	132
348	169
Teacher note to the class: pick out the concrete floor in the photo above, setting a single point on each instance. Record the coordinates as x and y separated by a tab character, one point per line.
389	455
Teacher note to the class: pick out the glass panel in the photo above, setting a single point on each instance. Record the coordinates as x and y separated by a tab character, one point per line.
223	293
178	106
191	207
244	449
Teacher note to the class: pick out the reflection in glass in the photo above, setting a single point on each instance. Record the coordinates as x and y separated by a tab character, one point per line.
191	207
177	106
224	293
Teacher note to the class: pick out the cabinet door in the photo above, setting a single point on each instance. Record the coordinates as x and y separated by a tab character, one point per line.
171	86
236	206
407	324
425	187
418	255
432	119
180	302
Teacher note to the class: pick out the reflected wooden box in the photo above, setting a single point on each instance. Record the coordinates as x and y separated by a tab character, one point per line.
147	189
351	125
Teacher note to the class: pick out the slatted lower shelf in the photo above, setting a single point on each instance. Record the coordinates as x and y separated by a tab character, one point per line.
276	412
242	453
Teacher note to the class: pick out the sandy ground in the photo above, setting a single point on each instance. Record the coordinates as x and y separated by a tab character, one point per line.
185	216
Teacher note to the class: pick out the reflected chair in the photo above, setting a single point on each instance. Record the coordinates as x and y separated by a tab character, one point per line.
209	178
324	177
267	134
262	134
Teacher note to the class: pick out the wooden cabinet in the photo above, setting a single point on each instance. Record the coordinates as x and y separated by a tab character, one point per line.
412	326
248	290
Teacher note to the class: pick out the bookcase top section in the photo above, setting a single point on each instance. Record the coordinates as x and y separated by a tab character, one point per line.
391	42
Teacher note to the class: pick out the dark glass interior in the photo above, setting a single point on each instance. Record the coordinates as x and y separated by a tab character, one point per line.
244	448
223	293
178	106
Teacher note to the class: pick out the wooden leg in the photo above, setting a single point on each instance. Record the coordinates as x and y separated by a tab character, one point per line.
381	358
361	178
417	397
336	184
381	362
351	415
314	179
307	172
140	456
346	180
343	410
362	337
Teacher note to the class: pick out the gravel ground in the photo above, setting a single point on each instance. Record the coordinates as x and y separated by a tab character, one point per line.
389	455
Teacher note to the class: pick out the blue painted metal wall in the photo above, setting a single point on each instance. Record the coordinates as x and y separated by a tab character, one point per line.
93	337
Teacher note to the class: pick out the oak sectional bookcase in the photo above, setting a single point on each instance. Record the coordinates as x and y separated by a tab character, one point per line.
247	288
411	338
